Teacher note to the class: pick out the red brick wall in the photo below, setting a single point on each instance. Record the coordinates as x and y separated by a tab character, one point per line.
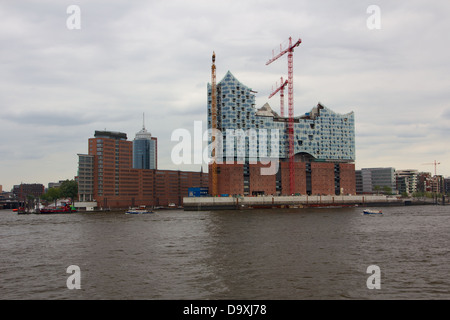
230	178
299	178
258	182
348	179
322	176
152	188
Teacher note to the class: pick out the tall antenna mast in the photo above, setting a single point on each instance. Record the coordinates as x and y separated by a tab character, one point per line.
143	121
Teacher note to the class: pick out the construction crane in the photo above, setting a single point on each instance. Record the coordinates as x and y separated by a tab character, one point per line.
290	54
281	90
213	125
435	164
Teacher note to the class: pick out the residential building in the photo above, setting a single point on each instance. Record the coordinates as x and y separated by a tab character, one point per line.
438	184
424	182
406	181
85	177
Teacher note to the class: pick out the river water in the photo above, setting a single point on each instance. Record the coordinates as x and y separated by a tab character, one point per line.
296	254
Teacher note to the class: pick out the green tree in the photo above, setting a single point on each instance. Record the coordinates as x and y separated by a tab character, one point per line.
377	189
387	190
52	194
69	189
418	194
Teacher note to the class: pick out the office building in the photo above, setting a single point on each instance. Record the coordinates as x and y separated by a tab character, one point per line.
375	180
145	150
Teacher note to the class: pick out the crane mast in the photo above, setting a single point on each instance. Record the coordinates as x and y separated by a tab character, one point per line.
213	124
290	130
281	90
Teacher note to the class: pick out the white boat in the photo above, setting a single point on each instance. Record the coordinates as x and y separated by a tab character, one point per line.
140	210
369	211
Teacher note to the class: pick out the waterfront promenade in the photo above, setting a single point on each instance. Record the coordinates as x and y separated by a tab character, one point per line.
240	202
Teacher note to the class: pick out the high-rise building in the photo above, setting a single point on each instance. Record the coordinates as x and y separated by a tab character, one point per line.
324	146
85	177
112	151
145	150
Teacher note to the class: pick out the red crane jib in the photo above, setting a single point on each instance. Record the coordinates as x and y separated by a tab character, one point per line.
291	48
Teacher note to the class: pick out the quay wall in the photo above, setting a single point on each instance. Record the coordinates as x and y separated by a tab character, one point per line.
232	203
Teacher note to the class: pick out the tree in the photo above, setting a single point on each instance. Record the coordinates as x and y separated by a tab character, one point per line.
387	190
52	194
377	189
69	189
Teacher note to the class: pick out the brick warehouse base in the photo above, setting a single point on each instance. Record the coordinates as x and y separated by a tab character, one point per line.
314	178
152	188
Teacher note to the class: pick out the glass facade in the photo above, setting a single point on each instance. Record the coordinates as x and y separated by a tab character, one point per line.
144	154
375	180
85	177
321	133
144	151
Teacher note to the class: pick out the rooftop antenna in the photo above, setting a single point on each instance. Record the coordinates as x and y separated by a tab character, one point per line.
143	121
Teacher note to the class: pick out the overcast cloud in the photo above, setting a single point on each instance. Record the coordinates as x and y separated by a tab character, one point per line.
57	86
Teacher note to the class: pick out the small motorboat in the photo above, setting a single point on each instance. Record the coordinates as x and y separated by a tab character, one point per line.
140	210
368	211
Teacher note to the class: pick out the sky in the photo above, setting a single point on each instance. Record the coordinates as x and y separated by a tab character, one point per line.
65	74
